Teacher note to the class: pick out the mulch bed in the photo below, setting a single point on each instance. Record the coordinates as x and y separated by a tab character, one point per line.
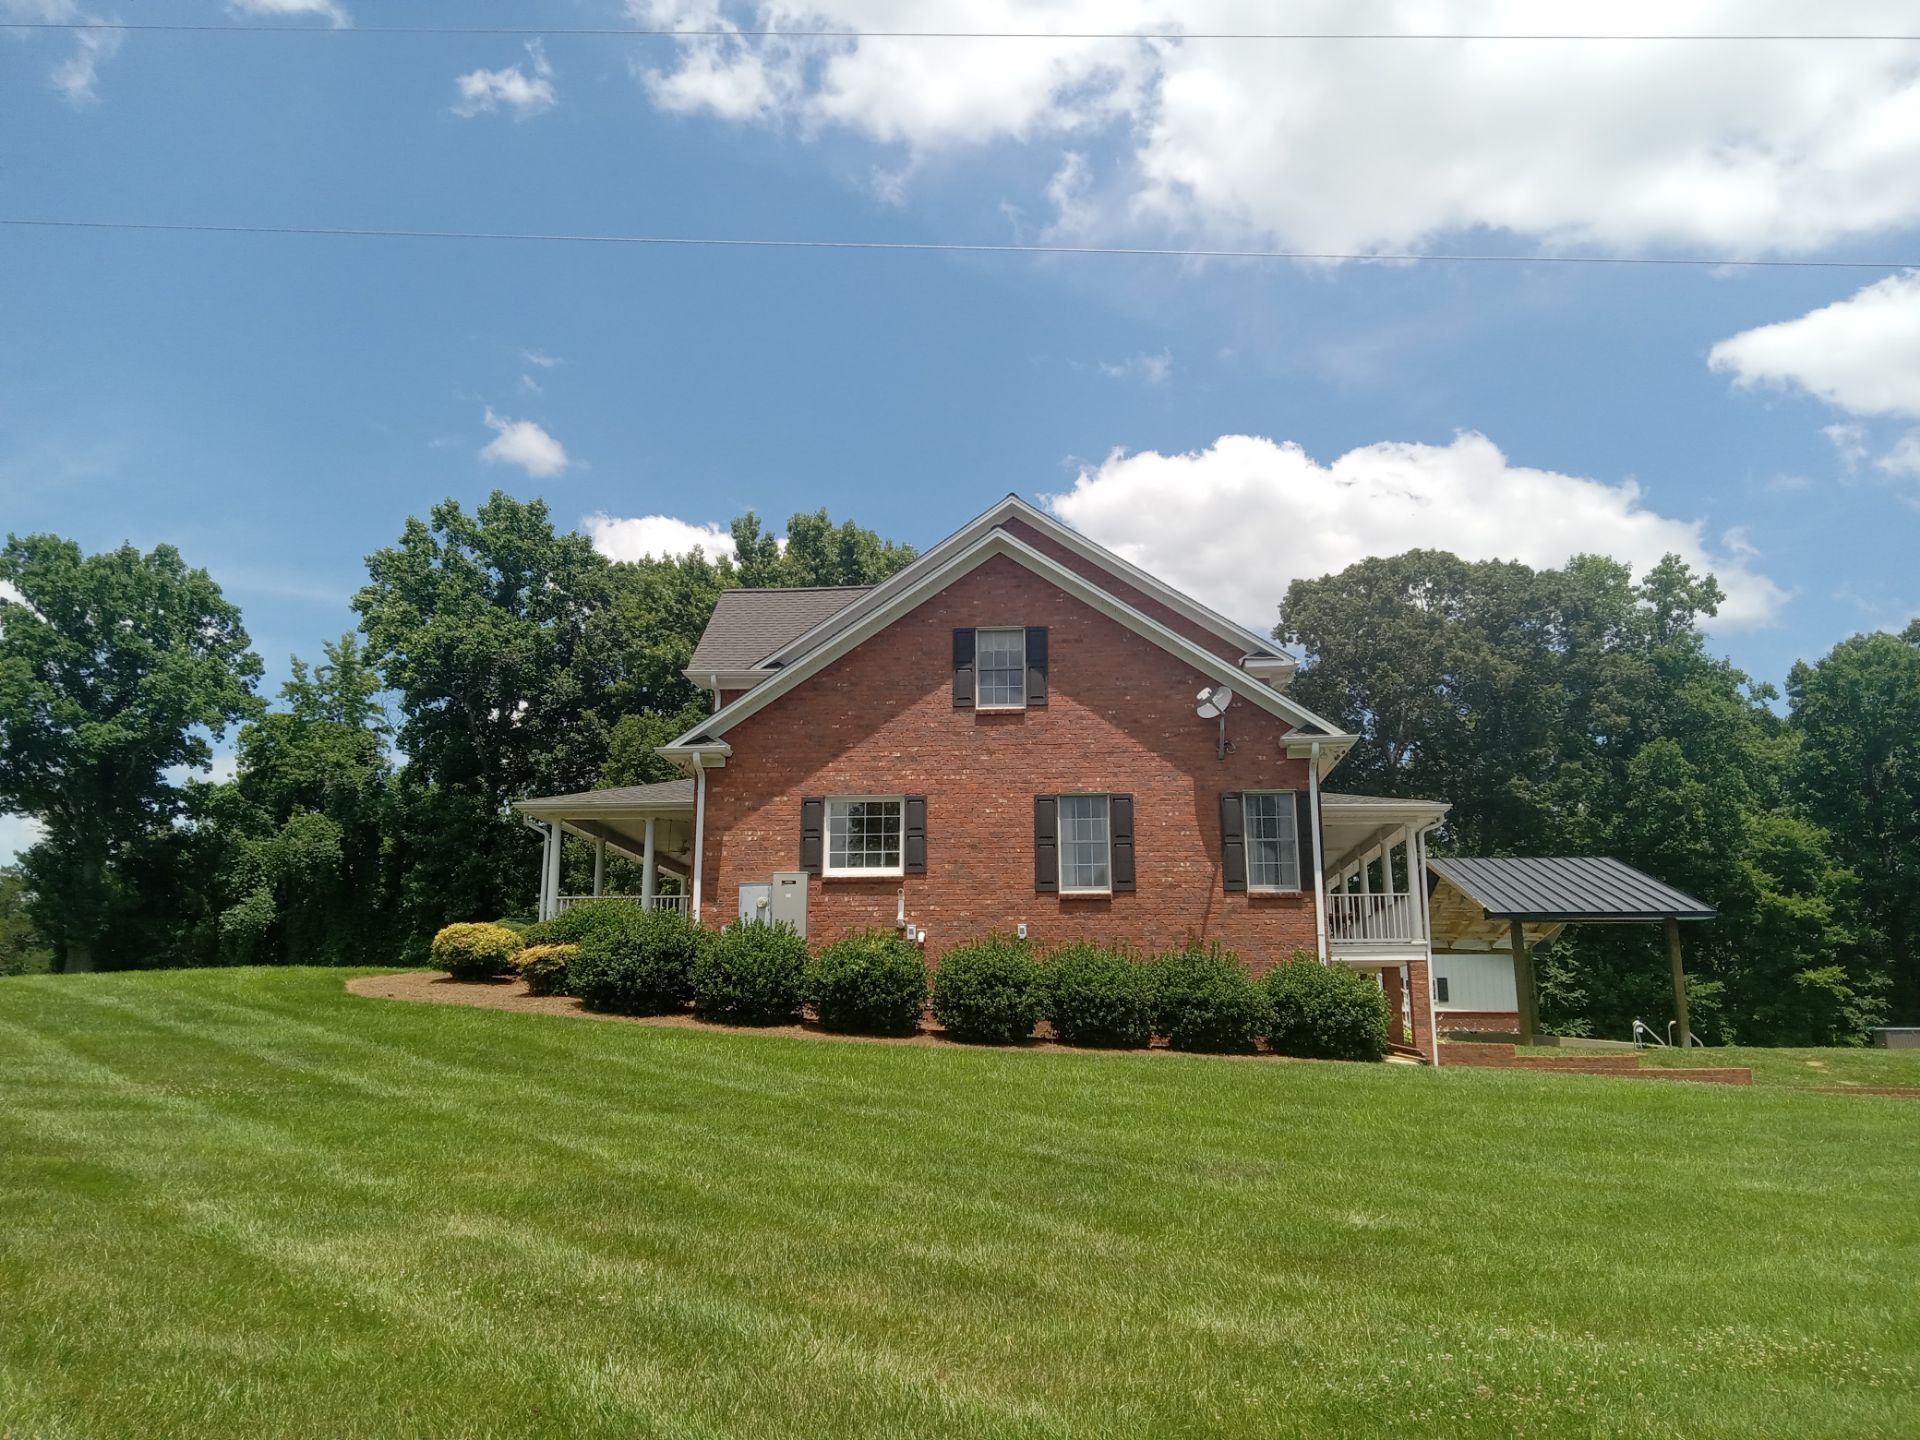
438	987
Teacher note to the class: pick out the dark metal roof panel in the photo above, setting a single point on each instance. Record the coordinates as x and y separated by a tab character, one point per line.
749	625
1568	888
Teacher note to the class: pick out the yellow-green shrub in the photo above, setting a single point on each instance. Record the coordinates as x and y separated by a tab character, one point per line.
544	967
475	951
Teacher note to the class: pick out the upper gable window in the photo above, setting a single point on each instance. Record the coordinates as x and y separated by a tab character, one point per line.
1000	669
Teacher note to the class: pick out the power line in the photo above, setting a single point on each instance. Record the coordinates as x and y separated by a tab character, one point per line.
960	247
725	32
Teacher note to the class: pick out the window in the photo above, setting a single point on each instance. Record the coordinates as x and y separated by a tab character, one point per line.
863	835
1086	844
1000	665
1273	841
1440	989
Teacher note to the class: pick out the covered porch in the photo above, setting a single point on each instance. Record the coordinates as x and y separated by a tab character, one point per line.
651	825
1375	852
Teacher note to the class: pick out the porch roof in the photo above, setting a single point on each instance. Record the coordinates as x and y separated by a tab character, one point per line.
1567	889
661	798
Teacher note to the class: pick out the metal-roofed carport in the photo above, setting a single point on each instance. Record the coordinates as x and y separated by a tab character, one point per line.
1476	906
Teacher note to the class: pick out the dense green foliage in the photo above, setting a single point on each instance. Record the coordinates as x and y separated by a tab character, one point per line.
22	951
1325	1012
1577	711
241	1203
114	669
988	991
1095	995
750	974
545	968
581	919
519	661
871	983
475	950
633	961
1204	999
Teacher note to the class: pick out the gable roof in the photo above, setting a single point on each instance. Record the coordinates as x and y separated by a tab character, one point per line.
749	625
1015	508
1569	888
875	617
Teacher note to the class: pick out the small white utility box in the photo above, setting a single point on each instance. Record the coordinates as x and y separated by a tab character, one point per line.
756	904
790	899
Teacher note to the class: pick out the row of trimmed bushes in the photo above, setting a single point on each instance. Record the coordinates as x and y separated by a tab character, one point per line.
619	958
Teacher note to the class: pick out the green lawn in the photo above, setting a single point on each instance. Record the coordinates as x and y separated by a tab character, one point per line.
244	1203
1807	1069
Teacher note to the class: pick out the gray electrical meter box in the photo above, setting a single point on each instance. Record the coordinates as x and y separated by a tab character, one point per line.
790	899
756	904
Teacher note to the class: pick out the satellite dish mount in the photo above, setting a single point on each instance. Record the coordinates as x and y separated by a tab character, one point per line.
1212	705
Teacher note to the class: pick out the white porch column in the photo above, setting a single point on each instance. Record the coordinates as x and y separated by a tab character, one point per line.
599	867
551	887
646	867
546	855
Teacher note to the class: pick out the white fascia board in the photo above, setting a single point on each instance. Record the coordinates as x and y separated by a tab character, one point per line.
993	543
1424	813
1013	507
728	679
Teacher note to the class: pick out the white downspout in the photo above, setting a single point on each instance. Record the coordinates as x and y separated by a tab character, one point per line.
1419	853
699	829
1319	860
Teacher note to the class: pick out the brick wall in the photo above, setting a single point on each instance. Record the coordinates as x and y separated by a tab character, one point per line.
881	719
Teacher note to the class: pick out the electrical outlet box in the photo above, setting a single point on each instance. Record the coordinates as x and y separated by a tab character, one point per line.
1021	930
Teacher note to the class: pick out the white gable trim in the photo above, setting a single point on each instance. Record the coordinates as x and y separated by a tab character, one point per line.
1013	507
702	737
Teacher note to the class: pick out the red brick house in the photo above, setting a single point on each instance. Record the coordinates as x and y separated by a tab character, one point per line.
1003	737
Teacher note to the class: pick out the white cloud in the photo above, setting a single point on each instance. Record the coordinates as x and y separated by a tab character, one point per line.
1849	440
637	537
329	10
541	358
1147	369
1904	457
18	833
1619	145
1233	523
523	443
1861	354
77	76
525	91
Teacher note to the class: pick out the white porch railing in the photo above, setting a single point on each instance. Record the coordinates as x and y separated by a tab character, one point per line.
564	903
1372	920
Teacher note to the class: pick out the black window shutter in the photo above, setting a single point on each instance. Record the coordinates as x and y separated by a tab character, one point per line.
813	811
963	668
1233	840
916	833
1120	819
1309	842
1036	664
1046	843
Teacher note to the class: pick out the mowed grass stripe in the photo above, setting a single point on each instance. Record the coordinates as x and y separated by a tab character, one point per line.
532	1225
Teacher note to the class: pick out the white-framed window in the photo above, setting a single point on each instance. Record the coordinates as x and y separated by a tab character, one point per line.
1000	669
1086	845
1273	840
864	834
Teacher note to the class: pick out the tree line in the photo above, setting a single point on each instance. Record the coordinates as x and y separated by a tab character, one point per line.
1560	711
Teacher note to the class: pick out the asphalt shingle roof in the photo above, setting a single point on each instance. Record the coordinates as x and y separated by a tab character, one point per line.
1568	888
749	625
620	797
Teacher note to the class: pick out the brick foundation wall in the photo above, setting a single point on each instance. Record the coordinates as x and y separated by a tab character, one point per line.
1119	718
1498	1022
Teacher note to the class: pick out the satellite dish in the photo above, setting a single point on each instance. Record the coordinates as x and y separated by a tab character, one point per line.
1213	702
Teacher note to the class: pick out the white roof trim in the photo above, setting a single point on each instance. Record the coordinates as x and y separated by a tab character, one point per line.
997	542
1011	508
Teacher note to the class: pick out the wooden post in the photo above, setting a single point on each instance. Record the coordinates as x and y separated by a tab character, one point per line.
1679	983
1523	983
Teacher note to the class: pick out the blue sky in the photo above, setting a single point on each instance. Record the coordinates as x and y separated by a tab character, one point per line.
277	407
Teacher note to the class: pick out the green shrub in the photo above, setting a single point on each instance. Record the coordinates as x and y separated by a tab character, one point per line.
1097	996
475	951
1204	999
872	983
1326	1012
589	917
750	974
988	991
519	924
544	967
639	962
